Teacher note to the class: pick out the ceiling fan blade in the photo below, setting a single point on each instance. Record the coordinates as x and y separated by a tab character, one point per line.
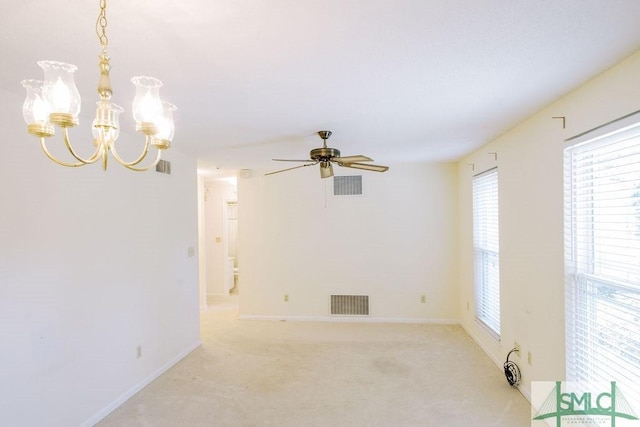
288	169
374	168
289	160
352	159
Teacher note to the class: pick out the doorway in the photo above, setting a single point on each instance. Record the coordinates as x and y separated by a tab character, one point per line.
231	242
219	230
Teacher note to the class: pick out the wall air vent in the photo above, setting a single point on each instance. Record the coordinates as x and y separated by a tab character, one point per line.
349	185
350	305
164	166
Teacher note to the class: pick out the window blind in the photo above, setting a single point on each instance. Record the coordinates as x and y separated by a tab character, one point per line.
486	249
602	257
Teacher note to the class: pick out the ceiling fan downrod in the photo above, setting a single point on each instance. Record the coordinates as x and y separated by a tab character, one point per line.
325	153
324	134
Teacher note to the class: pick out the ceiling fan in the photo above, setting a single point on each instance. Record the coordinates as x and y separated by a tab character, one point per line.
326	156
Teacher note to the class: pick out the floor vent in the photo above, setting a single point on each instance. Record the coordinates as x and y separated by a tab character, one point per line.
353	305
350	185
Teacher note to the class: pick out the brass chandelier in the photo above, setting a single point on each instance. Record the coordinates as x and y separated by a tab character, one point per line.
55	102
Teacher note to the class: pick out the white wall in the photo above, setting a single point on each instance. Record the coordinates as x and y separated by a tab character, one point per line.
531	220
393	243
92	265
217	193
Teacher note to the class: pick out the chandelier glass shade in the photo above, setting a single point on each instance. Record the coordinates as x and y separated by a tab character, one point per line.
55	103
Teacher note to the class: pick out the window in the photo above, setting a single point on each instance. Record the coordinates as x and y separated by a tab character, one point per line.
602	255
486	249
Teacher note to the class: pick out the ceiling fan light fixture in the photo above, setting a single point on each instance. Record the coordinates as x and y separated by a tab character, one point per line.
326	170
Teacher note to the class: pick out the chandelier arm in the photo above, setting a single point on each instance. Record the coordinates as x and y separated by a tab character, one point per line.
60	162
94	157
142	156
105	156
145	168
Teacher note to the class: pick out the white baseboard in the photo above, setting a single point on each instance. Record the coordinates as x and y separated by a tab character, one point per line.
218	295
524	391
481	344
352	319
97	417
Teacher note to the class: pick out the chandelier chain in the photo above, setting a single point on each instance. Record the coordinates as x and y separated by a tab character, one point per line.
101	25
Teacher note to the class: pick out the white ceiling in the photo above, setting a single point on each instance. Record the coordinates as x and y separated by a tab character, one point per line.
399	80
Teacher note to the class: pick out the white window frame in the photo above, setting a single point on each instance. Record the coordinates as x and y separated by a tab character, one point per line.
486	250
602	254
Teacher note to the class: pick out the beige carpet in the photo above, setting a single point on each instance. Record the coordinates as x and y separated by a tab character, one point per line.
269	373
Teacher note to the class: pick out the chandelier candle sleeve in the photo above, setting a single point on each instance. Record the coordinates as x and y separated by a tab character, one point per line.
35	110
60	92
147	106
106	125
166	128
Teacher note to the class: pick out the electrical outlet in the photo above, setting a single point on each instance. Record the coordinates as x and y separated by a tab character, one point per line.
423	299
139	351
516	346
529	357
467	305
286	297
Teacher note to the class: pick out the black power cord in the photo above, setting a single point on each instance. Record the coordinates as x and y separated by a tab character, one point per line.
511	370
